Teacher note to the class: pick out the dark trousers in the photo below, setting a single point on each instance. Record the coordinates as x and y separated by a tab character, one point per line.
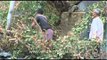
98	48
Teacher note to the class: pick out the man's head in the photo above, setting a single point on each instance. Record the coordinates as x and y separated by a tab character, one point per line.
40	11
96	12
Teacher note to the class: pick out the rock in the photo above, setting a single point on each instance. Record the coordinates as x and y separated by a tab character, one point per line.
71	20
74	2
5	55
84	4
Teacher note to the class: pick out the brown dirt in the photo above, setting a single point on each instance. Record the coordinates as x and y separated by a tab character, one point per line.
103	55
74	18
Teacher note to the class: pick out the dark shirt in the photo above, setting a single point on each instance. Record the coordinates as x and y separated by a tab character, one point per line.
42	22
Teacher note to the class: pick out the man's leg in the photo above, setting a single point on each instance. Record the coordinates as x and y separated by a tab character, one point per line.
44	35
98	48
44	41
49	34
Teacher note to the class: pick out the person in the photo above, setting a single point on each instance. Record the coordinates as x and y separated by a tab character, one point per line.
96	30
42	22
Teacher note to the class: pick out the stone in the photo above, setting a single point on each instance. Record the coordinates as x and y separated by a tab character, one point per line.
71	20
5	55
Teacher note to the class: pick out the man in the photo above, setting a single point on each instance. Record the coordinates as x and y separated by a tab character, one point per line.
42	22
96	30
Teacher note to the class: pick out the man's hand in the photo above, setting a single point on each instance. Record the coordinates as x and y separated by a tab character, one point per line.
33	24
98	40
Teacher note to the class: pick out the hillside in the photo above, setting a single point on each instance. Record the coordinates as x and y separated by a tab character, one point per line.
68	26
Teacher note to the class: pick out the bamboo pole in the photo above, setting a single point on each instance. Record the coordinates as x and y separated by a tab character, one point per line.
9	16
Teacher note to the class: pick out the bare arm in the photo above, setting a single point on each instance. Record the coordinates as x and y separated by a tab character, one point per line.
33	23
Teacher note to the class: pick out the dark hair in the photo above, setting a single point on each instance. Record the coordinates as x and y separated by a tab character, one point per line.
40	11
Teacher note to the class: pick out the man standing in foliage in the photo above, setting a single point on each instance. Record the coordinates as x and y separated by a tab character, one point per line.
96	30
42	22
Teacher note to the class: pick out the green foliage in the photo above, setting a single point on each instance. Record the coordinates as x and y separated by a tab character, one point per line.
3	12
28	48
51	13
